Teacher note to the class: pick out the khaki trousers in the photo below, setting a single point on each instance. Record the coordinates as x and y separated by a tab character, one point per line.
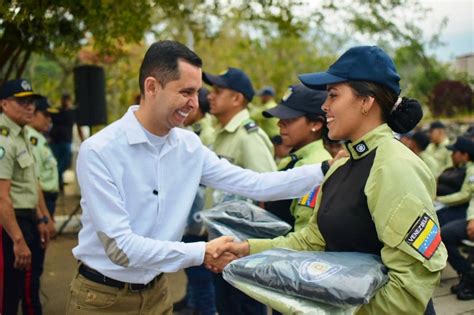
88	297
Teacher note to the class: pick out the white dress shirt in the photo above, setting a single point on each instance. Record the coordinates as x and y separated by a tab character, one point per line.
136	200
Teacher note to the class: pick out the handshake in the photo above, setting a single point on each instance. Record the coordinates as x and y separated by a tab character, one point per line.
223	250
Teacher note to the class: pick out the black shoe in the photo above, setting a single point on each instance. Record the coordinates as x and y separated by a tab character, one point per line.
455	288
466	287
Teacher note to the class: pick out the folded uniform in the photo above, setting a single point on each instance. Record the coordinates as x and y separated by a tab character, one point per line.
336	278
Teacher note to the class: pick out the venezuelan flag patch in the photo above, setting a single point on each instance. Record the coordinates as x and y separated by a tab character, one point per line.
309	200
425	236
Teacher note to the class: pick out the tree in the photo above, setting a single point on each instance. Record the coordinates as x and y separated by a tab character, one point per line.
58	27
450	98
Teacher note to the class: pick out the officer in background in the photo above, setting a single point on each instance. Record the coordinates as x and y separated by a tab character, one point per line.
437	148
418	142
46	164
23	219
267	101
453	186
302	125
200	121
243	143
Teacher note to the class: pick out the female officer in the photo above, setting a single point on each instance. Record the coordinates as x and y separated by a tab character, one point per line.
302	125
379	200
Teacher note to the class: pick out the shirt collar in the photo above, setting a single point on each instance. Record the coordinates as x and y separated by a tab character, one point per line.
136	134
310	147
369	142
14	128
237	120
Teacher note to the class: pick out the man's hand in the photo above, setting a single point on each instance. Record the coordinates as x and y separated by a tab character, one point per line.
470	229
51	229
43	234
216	260
238	249
22	255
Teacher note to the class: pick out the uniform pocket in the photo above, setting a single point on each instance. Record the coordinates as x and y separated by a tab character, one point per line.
25	160
414	229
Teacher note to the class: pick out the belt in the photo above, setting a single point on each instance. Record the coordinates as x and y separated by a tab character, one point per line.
95	276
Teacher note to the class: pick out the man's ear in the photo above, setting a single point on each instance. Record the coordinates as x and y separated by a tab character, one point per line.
151	85
239	99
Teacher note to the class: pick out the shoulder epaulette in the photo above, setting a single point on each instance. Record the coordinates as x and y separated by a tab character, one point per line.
4	131
33	140
250	125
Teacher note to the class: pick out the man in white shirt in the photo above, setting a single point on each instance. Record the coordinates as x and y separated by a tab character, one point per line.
138	179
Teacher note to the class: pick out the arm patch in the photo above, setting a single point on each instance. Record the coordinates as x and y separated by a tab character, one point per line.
4	131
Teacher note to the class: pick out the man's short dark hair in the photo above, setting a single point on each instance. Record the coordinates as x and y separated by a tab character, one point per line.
161	62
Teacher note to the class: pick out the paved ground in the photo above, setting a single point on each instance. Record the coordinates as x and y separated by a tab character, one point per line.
60	266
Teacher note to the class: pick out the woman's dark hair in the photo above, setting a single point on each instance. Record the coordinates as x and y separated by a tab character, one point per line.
317	117
402	118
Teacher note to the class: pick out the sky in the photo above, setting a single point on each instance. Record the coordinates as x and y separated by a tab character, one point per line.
458	35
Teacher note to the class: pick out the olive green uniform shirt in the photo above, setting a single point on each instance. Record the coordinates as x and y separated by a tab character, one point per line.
311	153
464	194
17	164
432	164
400	190
269	125
244	144
46	165
470	210
204	129
441	154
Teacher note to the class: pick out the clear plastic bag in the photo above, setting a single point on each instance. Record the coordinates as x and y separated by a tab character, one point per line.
242	220
336	278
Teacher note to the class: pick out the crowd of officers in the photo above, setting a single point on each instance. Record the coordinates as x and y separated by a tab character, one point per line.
262	136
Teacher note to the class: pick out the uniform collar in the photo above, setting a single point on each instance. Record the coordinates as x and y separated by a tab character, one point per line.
237	120
14	128
369	142
136	134
309	148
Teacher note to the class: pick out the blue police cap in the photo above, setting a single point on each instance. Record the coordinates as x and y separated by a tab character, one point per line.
266	91
17	88
298	101
234	79
361	63
43	105
437	125
462	144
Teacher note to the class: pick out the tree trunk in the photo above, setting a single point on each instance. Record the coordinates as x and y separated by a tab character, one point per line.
12	61
22	66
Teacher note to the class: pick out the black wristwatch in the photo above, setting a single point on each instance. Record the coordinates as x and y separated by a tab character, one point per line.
325	166
44	220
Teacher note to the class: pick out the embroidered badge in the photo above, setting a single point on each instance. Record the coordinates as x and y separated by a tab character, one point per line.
309	200
314	270
425	236
33	140
287	94
25	85
2	152
4	131
361	148
250	125
471	179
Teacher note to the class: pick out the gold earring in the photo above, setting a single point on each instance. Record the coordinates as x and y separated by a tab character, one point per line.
364	112
313	130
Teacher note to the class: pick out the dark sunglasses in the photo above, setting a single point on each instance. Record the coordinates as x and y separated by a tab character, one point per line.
23	101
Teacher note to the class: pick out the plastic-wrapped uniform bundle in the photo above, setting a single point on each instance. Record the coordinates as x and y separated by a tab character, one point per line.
242	220
336	278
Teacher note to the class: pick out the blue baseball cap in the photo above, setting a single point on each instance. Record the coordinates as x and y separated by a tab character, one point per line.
462	144
298	101
42	105
234	79
266	91
17	88
361	63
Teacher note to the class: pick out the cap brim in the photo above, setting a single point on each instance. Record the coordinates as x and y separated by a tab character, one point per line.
27	94
282	112
214	80
319	80
451	147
